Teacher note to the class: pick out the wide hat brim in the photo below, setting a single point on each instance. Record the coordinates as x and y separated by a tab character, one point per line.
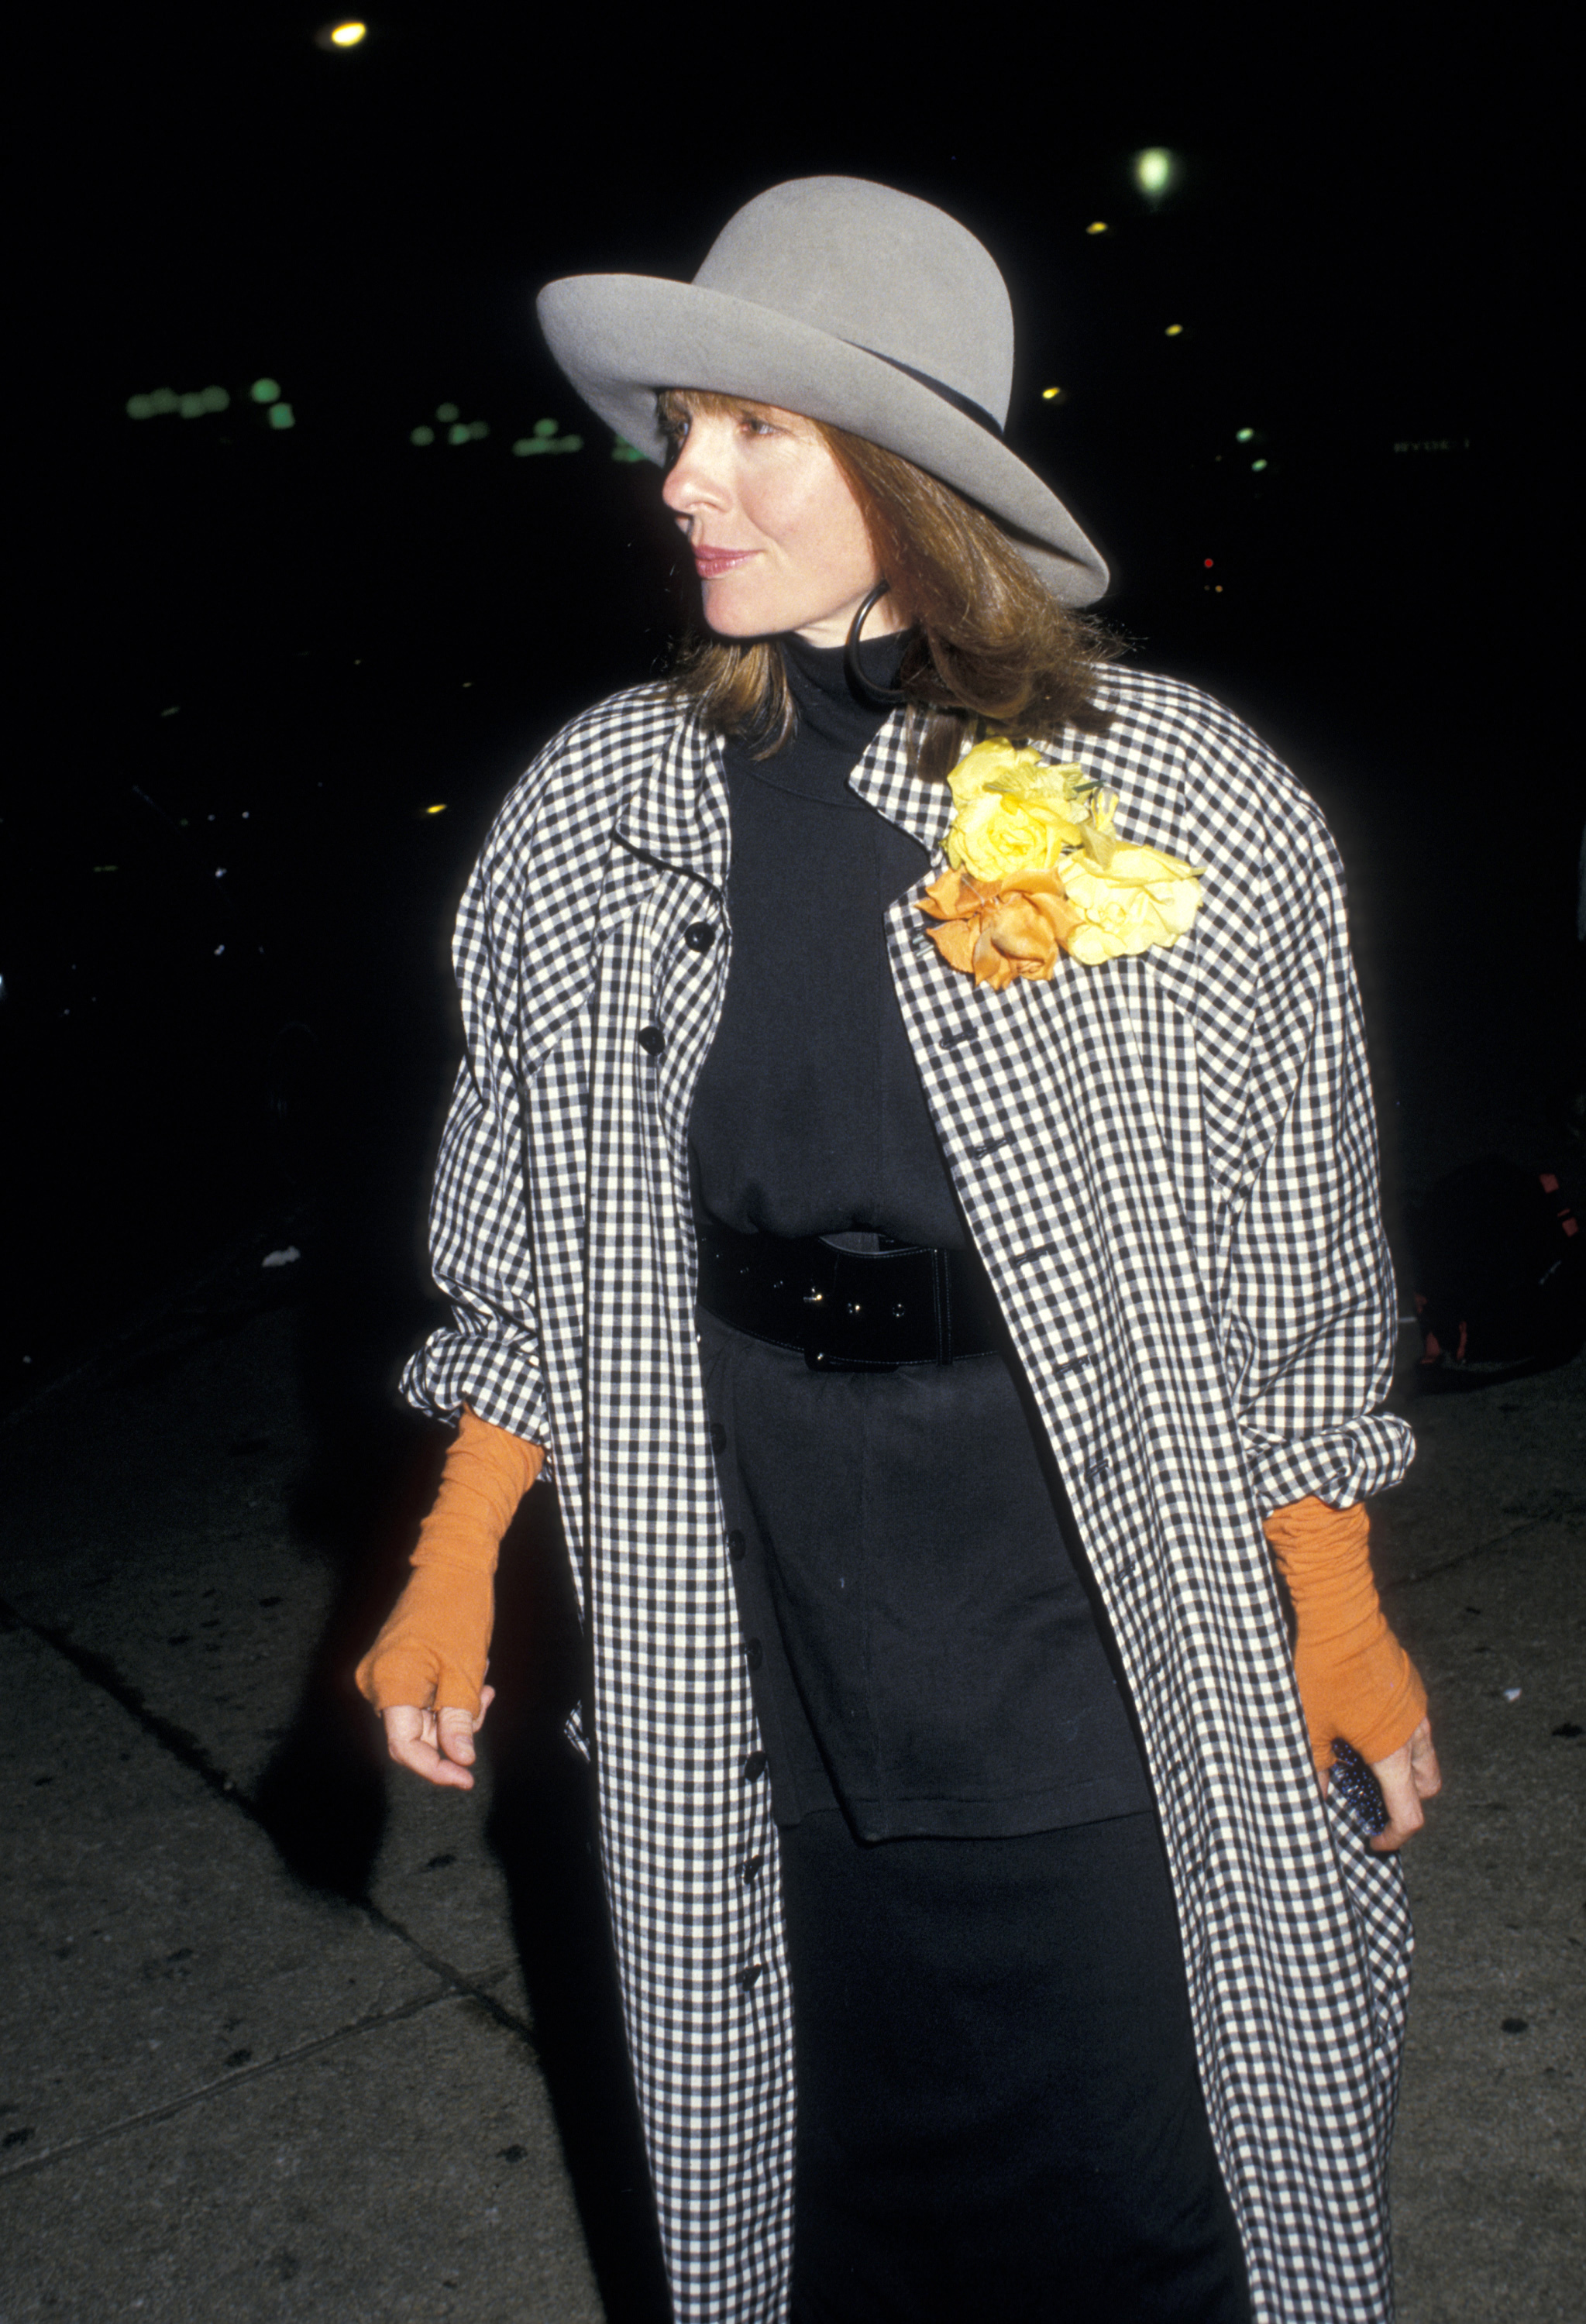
620	337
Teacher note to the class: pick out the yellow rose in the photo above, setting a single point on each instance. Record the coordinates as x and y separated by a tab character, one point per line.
992	836
1141	898
1016	812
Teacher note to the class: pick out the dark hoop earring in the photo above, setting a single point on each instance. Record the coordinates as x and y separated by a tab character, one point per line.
880	698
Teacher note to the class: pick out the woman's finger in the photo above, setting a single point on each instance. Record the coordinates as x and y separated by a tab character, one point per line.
456	1729
1406	1777
1424	1765
410	1736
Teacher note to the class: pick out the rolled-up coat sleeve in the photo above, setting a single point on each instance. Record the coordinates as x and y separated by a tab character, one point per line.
1309	1303
488	1357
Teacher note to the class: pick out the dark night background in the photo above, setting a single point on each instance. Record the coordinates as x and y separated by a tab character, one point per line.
265	653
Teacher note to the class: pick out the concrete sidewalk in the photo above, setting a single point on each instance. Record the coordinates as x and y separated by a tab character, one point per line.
284	2040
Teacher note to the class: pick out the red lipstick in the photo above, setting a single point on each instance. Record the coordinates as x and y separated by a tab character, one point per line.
708	562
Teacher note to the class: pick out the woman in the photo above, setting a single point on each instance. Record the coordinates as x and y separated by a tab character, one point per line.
913	1172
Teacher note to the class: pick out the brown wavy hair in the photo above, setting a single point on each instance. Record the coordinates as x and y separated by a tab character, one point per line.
988	640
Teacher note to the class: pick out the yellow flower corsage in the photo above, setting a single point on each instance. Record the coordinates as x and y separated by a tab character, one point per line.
1037	870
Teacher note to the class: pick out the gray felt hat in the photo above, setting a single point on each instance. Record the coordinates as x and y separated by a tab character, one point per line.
849	302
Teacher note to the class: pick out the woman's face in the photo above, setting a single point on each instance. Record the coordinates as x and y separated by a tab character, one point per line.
776	536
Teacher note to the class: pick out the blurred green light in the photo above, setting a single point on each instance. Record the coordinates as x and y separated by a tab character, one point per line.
140	406
1155	170
477	428
545	428
1244	435
445	412
1255	465
215	398
422	436
458	434
192	407
163	399
264	391
282	416
621	450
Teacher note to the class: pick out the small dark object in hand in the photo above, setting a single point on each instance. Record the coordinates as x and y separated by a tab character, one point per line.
1361	1791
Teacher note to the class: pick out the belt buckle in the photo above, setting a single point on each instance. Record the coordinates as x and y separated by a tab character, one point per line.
894	1305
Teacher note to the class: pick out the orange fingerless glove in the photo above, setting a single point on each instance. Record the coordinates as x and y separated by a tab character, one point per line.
1354	1678
433	1649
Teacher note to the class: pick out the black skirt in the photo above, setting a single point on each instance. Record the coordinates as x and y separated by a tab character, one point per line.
1000	2112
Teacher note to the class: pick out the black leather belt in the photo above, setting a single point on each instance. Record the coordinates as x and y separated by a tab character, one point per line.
849	1310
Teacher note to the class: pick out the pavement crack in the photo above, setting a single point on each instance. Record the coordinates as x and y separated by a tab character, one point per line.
187	1748
206	2090
1430	1572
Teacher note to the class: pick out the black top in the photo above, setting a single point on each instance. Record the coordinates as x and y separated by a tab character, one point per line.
924	1653
809	1118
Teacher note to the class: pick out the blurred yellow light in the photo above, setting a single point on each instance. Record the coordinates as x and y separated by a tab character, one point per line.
1155	170
347	36
1173	330
436	810
1099	228
1051	394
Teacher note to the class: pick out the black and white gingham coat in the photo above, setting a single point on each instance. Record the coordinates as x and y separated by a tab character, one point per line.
1168	1163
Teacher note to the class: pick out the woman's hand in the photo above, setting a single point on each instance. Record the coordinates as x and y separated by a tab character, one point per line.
1406	1777
437	1744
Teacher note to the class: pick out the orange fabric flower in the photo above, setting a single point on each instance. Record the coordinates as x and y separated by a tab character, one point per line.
1000	930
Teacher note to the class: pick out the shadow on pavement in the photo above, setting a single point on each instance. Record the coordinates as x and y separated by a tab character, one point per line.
371	1476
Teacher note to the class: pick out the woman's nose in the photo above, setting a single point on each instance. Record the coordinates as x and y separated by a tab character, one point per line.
689	483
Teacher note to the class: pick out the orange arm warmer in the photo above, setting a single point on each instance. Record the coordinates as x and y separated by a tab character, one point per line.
433	1648
1355	1679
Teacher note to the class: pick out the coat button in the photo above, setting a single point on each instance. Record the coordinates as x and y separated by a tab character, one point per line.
652	1040
754	1765
753	1652
699	935
718	1437
737	1547
748	1871
746	1977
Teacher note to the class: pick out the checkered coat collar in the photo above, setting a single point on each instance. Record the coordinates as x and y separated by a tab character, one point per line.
1168	1166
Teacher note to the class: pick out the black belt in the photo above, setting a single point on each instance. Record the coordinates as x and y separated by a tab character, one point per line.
849	1310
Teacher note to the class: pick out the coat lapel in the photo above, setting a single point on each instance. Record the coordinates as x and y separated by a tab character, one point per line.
675	815
596	862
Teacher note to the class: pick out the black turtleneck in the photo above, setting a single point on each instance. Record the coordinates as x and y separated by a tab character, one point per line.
809	1118
923	1651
